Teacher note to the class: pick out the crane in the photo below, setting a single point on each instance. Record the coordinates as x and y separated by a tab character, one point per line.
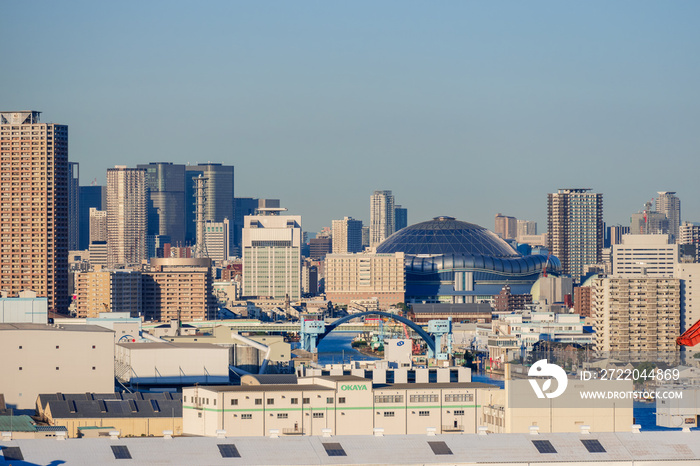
690	337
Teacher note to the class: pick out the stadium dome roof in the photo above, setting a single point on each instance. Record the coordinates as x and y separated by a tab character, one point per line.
445	235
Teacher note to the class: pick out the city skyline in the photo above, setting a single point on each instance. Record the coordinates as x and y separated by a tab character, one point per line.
440	105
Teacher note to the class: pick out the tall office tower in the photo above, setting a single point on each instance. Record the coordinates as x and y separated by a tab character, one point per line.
218	195
381	213
526	228
90	196
506	227
126	215
667	203
98	225
272	256
216	240
347	235
166	200
400	217
365	237
636	315
34	207
575	222
73	206
242	206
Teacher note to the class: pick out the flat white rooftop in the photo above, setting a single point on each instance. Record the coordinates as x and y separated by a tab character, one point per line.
648	448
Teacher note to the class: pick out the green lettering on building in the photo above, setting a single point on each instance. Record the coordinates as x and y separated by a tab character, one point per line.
353	387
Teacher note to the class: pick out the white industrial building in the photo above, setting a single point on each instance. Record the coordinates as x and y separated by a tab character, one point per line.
39	358
155	363
24	308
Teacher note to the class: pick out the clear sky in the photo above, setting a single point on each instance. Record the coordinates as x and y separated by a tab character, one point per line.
462	108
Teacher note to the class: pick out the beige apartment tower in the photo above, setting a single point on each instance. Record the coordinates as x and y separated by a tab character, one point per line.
34	207
364	276
179	288
126	216
636	315
108	291
381	213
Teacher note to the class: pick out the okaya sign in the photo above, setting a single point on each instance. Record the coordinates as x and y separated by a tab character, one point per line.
353	387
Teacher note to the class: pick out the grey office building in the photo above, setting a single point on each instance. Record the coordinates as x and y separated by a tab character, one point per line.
166	201
218	192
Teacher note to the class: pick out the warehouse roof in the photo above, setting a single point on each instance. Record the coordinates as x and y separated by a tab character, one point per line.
650	448
110	405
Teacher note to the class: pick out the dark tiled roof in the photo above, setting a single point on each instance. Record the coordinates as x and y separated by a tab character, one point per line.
111	405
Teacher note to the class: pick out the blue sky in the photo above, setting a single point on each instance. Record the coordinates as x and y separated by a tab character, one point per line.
461	108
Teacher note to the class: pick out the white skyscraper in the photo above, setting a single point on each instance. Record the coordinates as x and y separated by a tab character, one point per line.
347	235
381	211
670	205
272	255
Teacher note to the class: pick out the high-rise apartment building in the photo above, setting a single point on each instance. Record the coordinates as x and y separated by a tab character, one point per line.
166	201
98	225
34	207
506	227
272	256
365	276
400	217
575	223
689	239
526	228
668	204
689	275
126	215
381	213
73	206
108	291
218	195
636	315
347	235
90	197
179	288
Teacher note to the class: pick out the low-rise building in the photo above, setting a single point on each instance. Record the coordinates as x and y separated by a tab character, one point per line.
347	405
131	414
26	307
38	358
154	363
461	312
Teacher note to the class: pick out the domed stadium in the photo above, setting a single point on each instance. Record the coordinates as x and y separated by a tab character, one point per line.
448	260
